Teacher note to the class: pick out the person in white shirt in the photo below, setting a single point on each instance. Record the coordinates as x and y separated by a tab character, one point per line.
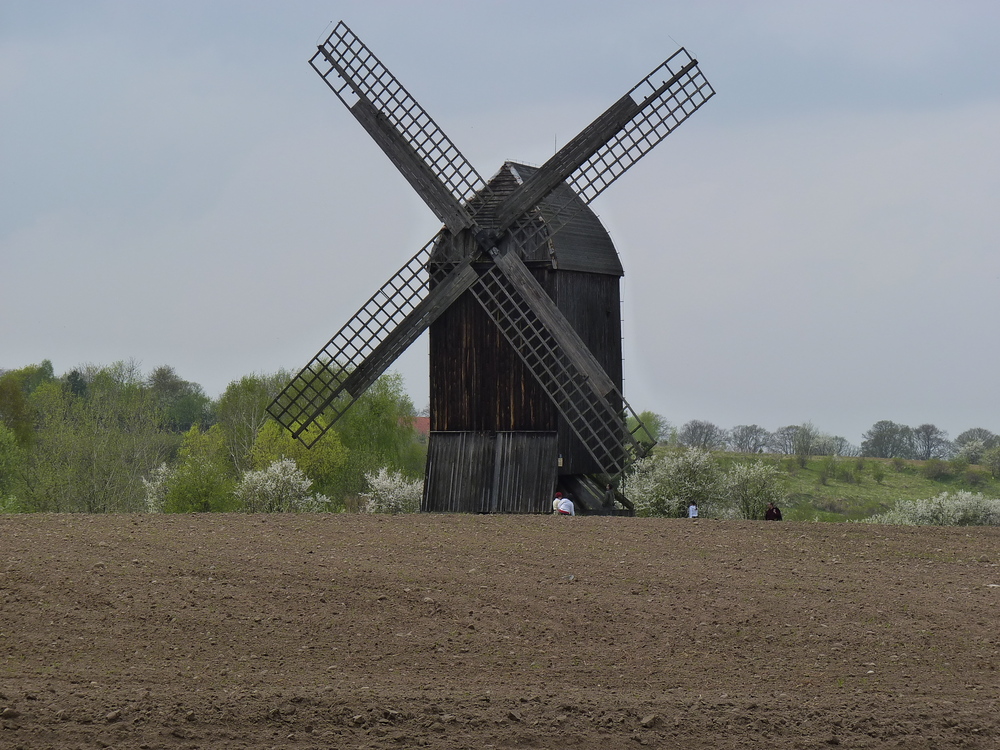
693	510
563	505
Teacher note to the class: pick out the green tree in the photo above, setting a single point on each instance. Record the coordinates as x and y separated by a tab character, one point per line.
991	460
16	387
655	428
242	413
987	438
184	404
930	443
377	432
702	435
887	439
748	438
783	440
91	452
973	450
320	463
805	443
11	469
203	480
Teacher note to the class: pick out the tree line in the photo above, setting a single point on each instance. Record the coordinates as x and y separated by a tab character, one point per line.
885	439
113	439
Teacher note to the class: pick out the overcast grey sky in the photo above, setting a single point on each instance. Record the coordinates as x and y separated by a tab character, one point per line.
818	243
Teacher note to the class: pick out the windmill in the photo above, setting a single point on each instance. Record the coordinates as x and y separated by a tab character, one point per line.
520	291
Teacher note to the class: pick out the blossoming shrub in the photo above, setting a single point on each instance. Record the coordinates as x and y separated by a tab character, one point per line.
666	485
391	492
156	488
282	487
947	509
749	487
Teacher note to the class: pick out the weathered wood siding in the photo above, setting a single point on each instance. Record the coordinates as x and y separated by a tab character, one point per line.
490	472
592	304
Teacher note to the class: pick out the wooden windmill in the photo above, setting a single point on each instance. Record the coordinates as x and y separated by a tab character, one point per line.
520	291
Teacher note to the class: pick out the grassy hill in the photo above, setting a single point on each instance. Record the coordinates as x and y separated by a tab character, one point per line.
850	489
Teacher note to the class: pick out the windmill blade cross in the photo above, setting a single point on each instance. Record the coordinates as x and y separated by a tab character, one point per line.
583	393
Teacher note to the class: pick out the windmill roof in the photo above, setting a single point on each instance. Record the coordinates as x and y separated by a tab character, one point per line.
583	244
579	242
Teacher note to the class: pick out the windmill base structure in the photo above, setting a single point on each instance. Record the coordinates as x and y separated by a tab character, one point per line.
520	291
498	444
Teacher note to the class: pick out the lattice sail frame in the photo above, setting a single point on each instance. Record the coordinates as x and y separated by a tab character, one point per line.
315	388
598	420
355	74
661	111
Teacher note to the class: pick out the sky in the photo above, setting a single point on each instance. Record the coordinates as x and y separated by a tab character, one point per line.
817	244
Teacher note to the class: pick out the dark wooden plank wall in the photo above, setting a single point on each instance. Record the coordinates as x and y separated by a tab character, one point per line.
478	383
480	472
459	472
592	304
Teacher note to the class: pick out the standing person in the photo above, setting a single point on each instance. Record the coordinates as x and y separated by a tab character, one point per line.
609	497
773	513
693	510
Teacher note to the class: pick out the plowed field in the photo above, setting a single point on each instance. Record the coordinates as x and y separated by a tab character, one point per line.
448	631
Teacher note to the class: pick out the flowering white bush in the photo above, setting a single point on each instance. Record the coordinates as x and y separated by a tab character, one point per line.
665	486
391	492
973	451
156	488
749	487
961	509
280	488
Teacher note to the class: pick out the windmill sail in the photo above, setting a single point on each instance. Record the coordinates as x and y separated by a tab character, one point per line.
411	139
624	133
366	345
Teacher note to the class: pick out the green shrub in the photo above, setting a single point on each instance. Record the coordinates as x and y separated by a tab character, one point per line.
934	468
974	478
991	460
199	485
845	473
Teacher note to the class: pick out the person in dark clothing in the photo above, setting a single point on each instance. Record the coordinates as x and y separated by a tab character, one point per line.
609	497
773	513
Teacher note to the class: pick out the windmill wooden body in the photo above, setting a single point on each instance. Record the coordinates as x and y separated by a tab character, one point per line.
520	290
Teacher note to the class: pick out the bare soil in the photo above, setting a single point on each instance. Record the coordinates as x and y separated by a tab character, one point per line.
451	631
